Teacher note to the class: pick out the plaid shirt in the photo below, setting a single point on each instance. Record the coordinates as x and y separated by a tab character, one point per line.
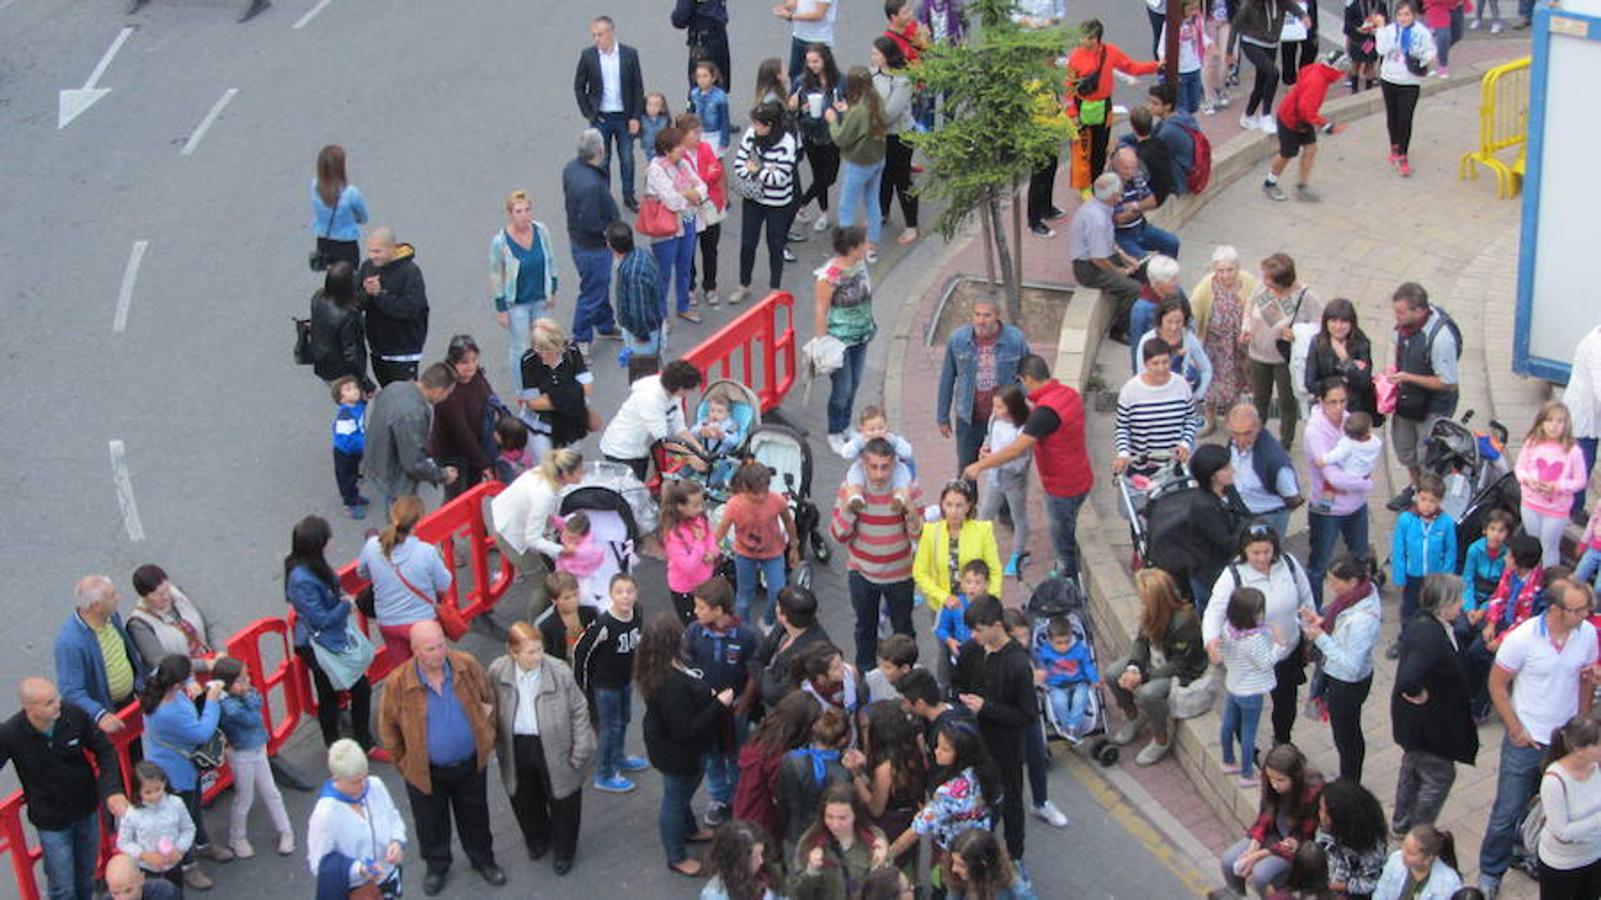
639	293
1266	829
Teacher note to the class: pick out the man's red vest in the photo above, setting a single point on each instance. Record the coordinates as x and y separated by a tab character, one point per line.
1060	456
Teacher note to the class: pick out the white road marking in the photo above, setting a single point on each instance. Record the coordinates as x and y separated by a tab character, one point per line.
305	20
206	123
125	293
74	101
124	483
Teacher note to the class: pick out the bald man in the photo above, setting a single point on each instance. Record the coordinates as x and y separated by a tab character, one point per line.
50	744
437	719
96	663
126	881
396	303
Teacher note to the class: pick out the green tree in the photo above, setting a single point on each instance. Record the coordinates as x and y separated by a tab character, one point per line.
1005	119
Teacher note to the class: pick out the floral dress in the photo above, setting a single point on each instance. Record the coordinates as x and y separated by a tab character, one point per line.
1223	347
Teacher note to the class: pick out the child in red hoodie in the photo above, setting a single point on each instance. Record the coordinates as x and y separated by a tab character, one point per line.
1299	117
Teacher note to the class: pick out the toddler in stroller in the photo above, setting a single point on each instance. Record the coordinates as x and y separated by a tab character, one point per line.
582	558
722	435
1066	668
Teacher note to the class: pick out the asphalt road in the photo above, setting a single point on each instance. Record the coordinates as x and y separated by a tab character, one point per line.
443	108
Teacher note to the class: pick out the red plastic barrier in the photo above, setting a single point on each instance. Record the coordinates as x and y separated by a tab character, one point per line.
287	685
768	370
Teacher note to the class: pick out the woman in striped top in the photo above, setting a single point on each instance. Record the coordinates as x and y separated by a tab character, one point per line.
766	159
1155	409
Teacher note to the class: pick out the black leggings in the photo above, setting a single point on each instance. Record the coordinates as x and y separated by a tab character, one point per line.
776	219
1400	102
824	160
328	703
1345	701
1295	54
1040	184
1267	78
898	178
708	239
1288	676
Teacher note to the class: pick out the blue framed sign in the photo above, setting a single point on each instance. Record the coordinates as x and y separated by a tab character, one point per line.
1559	256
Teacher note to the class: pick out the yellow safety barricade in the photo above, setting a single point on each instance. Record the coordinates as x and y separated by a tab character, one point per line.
1503	123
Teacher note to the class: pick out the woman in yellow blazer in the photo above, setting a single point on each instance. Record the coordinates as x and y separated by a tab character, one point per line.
936	568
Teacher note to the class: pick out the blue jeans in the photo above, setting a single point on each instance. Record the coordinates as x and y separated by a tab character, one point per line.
522	317
970	435
1190	91
1147	238
69	858
1069	703
613	129
1589	566
1240	718
862	183
1062	512
1324	531
866	596
722	769
613	707
797	57
676	820
1515	782
773	577
847	379
674	258
1277	519
593	307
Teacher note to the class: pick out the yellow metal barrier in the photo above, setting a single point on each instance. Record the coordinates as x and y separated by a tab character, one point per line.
1503	123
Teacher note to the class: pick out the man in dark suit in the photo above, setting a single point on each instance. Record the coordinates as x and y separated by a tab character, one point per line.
611	95
707	24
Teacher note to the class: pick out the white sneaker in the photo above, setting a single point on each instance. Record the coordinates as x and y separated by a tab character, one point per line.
1048	812
821	224
1152	753
242	848
1249	123
837	442
1270	125
286	843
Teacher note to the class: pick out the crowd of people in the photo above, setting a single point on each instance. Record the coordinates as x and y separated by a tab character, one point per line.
827	764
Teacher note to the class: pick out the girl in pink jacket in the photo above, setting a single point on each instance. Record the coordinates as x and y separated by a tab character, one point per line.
1550	471
688	541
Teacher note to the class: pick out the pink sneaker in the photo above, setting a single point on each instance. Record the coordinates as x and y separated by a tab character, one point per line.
1406	168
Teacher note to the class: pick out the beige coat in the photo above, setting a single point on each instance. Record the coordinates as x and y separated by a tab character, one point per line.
564	728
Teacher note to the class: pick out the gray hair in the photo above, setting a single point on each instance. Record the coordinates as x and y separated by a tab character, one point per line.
346	759
1108	187
1245	411
1162	269
1226	253
547	336
989	303
91	589
591	145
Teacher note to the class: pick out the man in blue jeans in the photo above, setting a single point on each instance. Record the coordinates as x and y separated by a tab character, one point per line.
1055	432
50	743
590	208
980	359
1138	237
611	96
1549	665
876	528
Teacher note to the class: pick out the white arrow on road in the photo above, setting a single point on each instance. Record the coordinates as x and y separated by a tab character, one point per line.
74	101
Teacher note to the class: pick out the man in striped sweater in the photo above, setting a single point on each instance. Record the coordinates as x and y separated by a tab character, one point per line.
1155	412
876	529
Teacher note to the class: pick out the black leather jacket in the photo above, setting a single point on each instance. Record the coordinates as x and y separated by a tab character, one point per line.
338	341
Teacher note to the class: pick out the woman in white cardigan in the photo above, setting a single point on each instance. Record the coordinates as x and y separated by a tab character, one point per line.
519	519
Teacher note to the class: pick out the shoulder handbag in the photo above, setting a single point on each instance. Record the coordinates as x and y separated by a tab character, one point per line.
205	756
450	619
656	220
1285	347
344	668
302	349
318	260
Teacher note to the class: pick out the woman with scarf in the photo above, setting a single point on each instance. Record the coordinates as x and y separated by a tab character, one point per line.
1406	50
672	180
357	837
1343	638
164	622
1430	706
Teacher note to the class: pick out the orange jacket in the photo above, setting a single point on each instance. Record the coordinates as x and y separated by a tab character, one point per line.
1082	62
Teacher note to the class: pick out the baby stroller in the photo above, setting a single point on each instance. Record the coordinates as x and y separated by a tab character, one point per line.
1060	597
784	450
619	509
671	456
1140	488
1477	478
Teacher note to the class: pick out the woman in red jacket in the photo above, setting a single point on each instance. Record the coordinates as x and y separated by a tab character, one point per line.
1089	91
703	156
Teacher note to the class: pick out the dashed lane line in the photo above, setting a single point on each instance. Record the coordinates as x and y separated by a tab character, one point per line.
130	275
305	20
206	123
124	483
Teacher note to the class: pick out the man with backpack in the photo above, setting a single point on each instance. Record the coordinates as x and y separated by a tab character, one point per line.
1300	115
1428	345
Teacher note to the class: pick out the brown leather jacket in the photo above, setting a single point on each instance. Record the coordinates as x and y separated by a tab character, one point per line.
403	715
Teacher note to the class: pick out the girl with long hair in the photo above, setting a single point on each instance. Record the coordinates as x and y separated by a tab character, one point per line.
838	849
1352	833
1341	349
1142	688
741	865
1425	868
895	90
767	160
967	792
1570	793
891	777
681	717
980	869
337	209
1287	817
321	611
408	576
687	539
817	89
1551	471
860	128
786	727
1009	482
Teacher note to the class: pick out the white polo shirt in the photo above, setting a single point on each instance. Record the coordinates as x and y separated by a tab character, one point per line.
1545	683
820	31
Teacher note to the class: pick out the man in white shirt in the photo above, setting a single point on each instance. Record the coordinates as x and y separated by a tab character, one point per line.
611	95
811	22
1544	675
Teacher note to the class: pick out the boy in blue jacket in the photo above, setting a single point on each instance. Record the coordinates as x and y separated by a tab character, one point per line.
951	627
1424	543
1068	669
350	442
721	646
